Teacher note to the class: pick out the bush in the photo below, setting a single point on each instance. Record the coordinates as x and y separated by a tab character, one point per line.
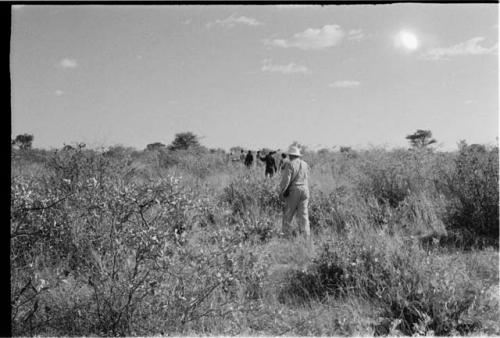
114	257
248	192
86	221
474	192
417	289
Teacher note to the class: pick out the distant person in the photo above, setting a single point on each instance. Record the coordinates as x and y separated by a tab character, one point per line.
242	156
249	159
270	164
283	160
294	191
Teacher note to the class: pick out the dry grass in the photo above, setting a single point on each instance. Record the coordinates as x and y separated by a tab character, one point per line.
213	263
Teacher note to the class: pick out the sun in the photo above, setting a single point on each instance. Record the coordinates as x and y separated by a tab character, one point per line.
407	40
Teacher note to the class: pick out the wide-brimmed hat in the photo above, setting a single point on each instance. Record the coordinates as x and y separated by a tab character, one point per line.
295	151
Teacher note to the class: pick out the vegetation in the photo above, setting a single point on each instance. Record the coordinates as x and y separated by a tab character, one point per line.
421	138
23	141
184	141
185	241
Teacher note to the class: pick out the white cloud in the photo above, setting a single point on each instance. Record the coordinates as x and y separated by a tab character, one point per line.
234	20
59	92
68	63
291	68
468	101
345	84
469	47
311	38
355	34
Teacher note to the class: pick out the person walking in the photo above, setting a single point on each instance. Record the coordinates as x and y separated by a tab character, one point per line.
249	159
270	164
294	191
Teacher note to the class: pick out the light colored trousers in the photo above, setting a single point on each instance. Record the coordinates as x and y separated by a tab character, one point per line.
296	205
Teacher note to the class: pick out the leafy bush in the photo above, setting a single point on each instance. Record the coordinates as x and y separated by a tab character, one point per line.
115	257
419	290
474	192
248	192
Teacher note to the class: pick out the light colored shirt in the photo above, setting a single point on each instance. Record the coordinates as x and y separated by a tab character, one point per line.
295	173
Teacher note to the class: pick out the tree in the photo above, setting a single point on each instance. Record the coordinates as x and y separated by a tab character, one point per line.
184	141
421	139
23	141
155	146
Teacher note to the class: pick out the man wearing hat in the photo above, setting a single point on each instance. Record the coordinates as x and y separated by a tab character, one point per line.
294	190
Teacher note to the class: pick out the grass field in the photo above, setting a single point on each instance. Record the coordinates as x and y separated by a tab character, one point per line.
125	242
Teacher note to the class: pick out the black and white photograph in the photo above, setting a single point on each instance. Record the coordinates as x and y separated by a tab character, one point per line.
254	169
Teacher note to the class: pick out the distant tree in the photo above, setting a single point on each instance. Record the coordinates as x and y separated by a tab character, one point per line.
155	146
345	149
184	141
421	139
24	141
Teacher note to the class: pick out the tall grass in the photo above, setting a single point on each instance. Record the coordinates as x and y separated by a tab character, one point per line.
123	242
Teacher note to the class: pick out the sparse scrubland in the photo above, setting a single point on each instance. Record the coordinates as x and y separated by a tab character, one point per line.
185	242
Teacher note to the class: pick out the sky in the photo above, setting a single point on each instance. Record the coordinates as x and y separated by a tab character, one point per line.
255	75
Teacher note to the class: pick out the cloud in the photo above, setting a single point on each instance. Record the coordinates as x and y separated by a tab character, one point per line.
355	34
59	92
68	63
18	7
469	47
291	68
345	84
234	20
468	102
311	38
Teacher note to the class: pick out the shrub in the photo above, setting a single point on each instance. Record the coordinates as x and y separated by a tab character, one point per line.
418	291
99	229
474	192
248	192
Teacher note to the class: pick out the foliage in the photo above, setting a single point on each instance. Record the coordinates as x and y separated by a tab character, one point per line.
23	141
421	138
474	190
154	146
419	292
185	242
247	192
184	141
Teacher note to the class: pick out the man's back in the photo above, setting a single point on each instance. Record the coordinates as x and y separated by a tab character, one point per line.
298	171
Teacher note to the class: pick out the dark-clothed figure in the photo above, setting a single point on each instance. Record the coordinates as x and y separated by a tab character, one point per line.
249	159
270	164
